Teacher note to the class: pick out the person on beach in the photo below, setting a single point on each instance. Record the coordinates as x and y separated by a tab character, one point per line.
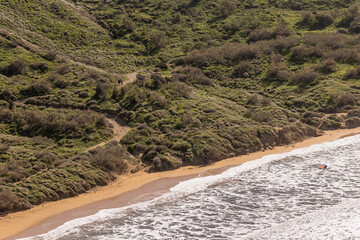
206	160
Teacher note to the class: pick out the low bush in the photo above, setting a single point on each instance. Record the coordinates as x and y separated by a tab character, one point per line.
344	55
344	99
178	89
353	122
353	113
306	76
157	40
47	157
37	89
129	24
110	158
54	124
40	66
226	7
63	69
194	75
4	147
101	91
308	18
60	82
51	55
258	116
355	25
8	202
281	30
16	67
300	53
7	94
204	57
323	19
311	114
278	73
283	44
260	34
240	51
242	69
327	66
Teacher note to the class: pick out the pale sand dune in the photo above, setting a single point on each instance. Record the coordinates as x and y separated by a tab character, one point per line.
127	189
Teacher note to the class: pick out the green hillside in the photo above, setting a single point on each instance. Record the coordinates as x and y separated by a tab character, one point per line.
213	78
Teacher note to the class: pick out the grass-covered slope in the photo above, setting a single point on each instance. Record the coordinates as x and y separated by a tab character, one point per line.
218	78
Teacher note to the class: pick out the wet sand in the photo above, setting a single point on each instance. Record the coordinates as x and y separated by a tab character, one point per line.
129	189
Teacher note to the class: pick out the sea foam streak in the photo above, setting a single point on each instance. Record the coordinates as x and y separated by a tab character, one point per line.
335	222
196	185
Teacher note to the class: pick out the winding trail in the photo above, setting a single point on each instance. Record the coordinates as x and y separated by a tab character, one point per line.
131	77
119	132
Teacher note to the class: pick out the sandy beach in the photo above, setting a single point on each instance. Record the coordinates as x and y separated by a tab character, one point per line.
129	189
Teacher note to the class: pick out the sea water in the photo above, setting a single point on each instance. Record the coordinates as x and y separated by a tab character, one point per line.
284	196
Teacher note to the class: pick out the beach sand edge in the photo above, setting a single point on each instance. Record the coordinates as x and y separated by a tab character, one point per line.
14	225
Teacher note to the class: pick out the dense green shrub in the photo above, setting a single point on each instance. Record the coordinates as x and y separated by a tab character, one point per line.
53	124
17	66
236	52
51	55
37	88
194	75
8	202
242	69
327	66
178	89
110	158
323	19
306	76
40	66
157	40
278	73
226	7
283	44
308	18
260	34
344	99
345	55
300	53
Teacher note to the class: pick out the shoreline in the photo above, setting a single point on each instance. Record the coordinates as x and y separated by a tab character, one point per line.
132	188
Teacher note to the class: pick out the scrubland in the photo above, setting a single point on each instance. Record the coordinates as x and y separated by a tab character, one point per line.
217	78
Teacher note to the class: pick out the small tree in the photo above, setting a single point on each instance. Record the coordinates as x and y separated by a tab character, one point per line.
129	23
323	19
227	7
308	18
157	40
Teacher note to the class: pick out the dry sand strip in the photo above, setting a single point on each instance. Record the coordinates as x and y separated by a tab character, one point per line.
130	188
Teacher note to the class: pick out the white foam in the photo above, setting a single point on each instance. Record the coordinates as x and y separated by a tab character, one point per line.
189	187
335	222
199	184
